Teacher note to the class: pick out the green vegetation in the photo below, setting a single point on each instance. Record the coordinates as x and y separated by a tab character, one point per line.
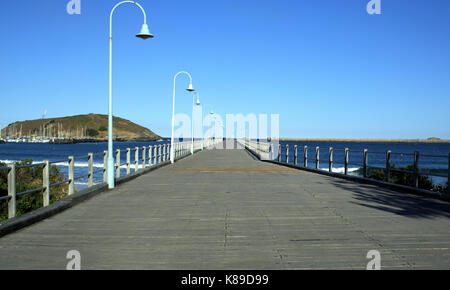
404	178
92	132
102	129
27	179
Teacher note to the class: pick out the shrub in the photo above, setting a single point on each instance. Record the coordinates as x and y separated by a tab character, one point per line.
402	178
27	179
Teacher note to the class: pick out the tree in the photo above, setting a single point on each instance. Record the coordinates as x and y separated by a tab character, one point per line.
92	132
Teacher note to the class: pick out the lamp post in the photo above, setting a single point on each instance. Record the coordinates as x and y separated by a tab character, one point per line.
189	89
217	120
192	118
143	34
211	113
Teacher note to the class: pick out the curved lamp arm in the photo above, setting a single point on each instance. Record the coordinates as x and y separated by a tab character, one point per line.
117	5
183	72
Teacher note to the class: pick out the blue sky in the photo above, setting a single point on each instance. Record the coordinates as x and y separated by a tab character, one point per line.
327	67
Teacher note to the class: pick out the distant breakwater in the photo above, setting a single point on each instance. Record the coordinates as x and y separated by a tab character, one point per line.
365	140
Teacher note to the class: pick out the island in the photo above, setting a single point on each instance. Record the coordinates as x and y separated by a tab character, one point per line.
76	129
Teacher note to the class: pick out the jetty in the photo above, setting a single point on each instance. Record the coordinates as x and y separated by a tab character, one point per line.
226	209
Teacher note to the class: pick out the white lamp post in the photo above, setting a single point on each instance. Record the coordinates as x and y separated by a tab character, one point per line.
211	113
216	118
144	34
189	89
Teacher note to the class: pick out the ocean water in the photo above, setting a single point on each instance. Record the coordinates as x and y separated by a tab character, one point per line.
11	152
402	155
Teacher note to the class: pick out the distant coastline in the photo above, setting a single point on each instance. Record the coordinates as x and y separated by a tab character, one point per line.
432	140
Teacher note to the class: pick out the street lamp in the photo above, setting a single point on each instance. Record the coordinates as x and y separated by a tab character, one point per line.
211	113
143	34
189	89
217	120
192	118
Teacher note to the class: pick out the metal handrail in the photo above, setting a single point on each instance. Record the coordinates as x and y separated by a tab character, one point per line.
284	155
435	156
81	176
60	161
59	183
5	197
31	191
81	157
29	165
402	154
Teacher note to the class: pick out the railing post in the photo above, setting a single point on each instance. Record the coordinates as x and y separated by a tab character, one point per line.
144	157
416	169
71	175
295	154
159	153
317	157
366	159
91	170
287	153
305	158
128	161
46	183
346	161
388	166
271	152
164	152
105	165
279	152
136	159
448	176
155	154
150	156
168	152
330	160
118	163
12	191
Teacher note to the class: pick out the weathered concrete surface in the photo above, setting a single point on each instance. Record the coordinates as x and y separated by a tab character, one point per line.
224	210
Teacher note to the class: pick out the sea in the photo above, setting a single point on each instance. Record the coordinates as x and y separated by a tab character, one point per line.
433	157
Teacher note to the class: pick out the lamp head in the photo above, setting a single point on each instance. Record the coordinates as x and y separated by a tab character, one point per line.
145	32
191	88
